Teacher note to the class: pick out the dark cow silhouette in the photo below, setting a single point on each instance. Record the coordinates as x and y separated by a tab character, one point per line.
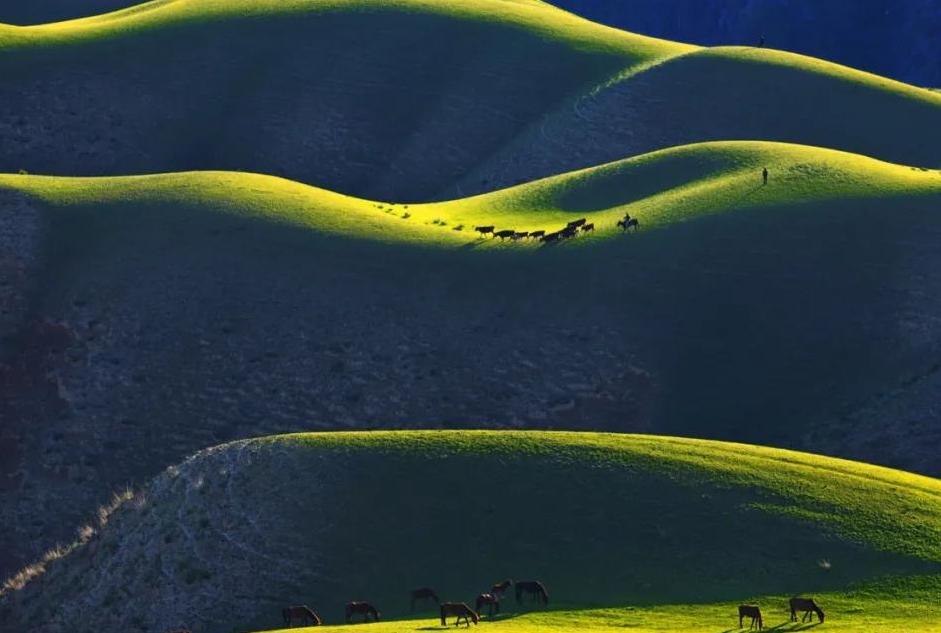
808	606
750	611
627	223
536	234
491	600
461	610
588	228
534	588
483	230
519	235
498	589
549	238
569	232
576	223
425	593
504	234
301	612
361	608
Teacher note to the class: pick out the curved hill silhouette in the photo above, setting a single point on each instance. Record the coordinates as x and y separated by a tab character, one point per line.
422	94
151	316
644	524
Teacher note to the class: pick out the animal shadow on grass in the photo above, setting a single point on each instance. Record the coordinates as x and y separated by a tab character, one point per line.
499	617
784	627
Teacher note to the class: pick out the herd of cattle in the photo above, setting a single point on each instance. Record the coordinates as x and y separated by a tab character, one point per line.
569	231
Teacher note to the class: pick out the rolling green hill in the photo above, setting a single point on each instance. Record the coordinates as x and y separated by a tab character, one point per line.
723	94
361	96
183	310
413	99
638	524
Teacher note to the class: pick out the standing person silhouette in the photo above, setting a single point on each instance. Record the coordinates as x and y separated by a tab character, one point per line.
764	175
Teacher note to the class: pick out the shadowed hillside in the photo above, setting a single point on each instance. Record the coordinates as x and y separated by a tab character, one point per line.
229	537
726	94
177	311
402	100
369	97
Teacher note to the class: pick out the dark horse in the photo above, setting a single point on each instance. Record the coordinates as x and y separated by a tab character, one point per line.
749	611
808	606
491	600
500	588
303	613
461	610
627	223
533	587
361	608
425	593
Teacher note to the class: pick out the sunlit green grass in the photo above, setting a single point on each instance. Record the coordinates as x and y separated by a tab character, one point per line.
660	189
537	17
847	504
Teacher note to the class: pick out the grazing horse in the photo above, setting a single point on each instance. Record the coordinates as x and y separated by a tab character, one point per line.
536	234
361	608
519	235
504	234
533	587
491	600
588	228
808	606
461	610
627	223
749	611
500	588
576	223
303	613
425	593
483	230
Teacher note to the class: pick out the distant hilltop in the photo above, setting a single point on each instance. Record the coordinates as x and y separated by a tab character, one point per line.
887	37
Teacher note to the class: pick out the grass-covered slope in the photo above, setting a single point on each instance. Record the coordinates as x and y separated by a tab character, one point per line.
375	98
722	94
178	311
232	535
413	99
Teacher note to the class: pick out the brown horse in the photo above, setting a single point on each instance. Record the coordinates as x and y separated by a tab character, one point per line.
301	612
500	588
425	593
749	611
461	610
491	600
361	608
534	588
808	606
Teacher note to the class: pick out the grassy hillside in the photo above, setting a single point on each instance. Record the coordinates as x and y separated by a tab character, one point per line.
184	310
722	94
413	99
370	97
235	533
